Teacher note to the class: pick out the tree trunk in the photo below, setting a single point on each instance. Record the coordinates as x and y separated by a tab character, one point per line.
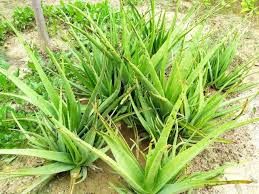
40	20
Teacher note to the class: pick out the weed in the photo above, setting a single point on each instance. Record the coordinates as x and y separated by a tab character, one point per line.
250	6
23	18
4	30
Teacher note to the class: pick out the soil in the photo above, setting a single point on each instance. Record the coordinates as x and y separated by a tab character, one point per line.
6	7
97	181
244	149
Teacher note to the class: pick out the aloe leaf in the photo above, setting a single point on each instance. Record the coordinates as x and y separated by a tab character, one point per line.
124	157
46	82
48	169
32	96
123	172
72	104
154	157
103	38
195	184
45	154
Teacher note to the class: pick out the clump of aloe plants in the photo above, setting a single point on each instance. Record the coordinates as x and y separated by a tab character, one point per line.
61	109
141	70
167	60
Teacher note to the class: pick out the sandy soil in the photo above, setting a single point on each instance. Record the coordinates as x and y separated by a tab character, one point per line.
98	181
244	150
7	6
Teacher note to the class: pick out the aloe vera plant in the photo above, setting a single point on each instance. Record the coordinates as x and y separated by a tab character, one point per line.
60	109
164	163
165	77
221	75
164	61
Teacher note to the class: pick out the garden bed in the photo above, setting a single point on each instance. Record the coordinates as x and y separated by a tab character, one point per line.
243	147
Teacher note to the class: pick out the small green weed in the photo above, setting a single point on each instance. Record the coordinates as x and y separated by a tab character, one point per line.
250	6
8	137
5	85
23	18
4	30
215	2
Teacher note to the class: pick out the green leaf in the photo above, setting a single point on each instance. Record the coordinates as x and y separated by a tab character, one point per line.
48	169
45	154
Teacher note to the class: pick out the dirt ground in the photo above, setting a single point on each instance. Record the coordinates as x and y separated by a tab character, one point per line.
245	147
